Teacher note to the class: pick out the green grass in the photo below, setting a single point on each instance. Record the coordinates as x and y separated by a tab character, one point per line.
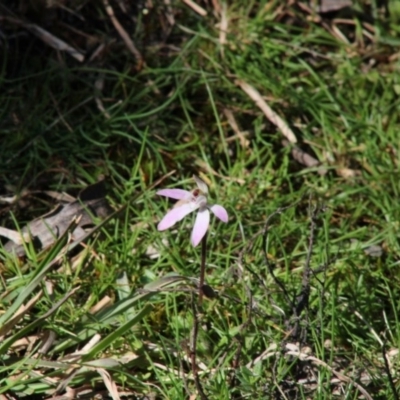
341	100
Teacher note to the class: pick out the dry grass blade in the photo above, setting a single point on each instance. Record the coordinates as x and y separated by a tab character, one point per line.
325	6
25	343
371	329
99	86
223	26
124	35
62	197
74	358
53	41
103	303
52	258
25	308
77	355
255	95
233	124
110	384
304	158
169	14
347	173
200	163
8	199
48	340
7	343
195	7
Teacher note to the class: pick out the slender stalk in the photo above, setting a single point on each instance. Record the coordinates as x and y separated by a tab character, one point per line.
195	331
202	267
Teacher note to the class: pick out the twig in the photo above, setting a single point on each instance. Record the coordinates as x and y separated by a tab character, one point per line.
217	7
255	95
195	7
223	27
239	134
54	41
47	37
124	35
304	158
99	86
169	14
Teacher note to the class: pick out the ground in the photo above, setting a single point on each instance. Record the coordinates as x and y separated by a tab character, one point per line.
288	111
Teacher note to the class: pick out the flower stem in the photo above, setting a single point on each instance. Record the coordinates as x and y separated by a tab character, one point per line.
202	267
193	355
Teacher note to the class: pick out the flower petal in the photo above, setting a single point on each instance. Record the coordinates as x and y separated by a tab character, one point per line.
201	184
220	212
200	226
177	194
175	215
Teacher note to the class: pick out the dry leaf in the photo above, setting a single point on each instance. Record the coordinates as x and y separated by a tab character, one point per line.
45	230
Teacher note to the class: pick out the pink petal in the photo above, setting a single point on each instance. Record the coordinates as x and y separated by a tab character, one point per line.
175	215
201	184
220	212
177	194
200	226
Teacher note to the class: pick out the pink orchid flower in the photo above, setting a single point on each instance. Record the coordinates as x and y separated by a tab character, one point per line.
189	202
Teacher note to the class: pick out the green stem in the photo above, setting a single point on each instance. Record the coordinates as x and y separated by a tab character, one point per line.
202	267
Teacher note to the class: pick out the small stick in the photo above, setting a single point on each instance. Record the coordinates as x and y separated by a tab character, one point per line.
306	159
54	41
274	118
124	34
195	7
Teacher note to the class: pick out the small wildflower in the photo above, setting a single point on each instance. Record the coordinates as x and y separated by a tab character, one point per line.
189	202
